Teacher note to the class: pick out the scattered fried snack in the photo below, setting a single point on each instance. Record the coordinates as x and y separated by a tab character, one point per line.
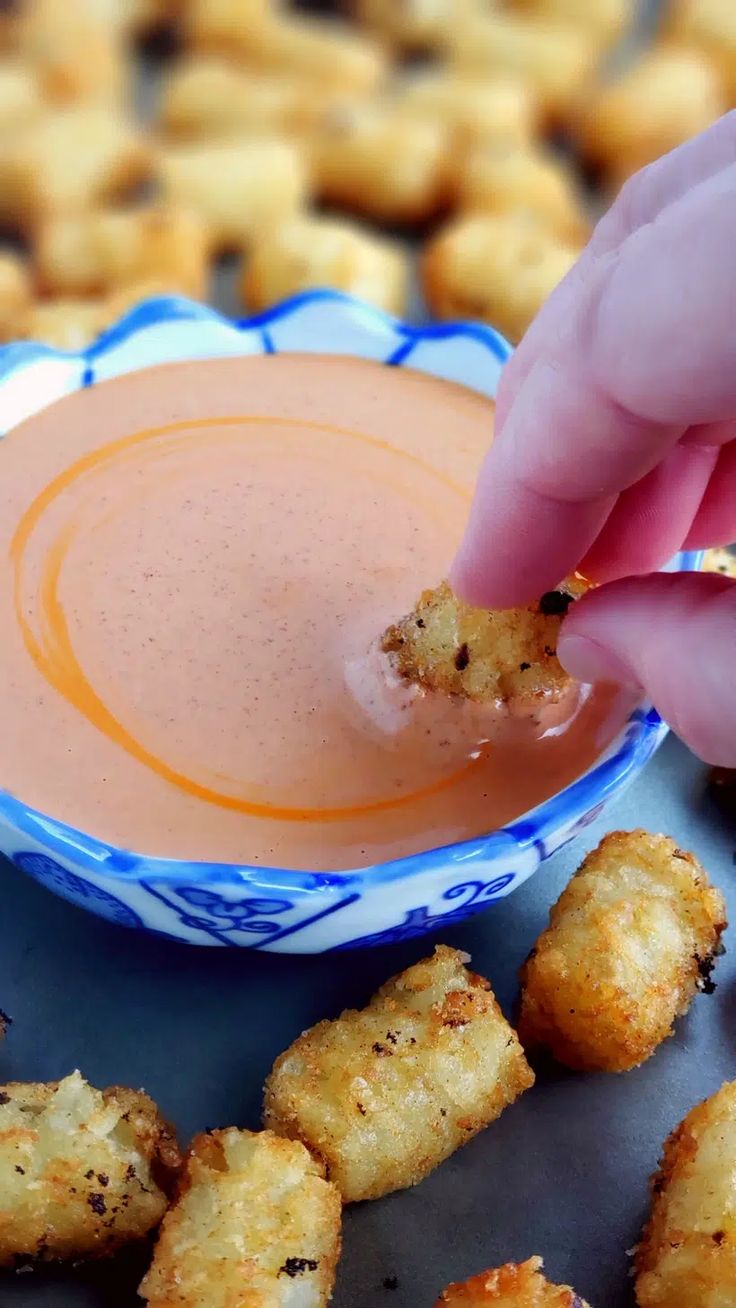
708	26
557	60
477	111
93	253
664	99
381	164
630	943
515	1285
37	178
687	1254
721	560
493	657
497	268
504	179
82	1171
15	294
238	188
323	50
21	98
205	97
606	20
385	1094
77	57
255	1223
308	250
421	26
68	323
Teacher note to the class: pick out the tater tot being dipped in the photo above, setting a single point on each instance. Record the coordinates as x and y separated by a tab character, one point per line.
515	1285
255	1223
82	1171
687	1254
630	943
385	1094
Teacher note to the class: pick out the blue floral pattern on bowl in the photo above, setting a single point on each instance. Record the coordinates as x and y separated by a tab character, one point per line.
270	908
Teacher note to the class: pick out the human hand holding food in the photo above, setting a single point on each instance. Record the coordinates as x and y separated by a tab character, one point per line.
616	447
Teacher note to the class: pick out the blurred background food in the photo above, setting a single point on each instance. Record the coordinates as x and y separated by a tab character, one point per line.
242	150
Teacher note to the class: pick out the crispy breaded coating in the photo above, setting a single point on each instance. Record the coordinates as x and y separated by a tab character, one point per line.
422	25
665	98
104	250
515	1285
504	179
110	157
77	57
237	187
310	250
687	1254
325	51
256	1225
21	98
82	1171
381	163
557	59
630	942
721	560
500	657
710	27
498	268
205	97
385	1094
477	110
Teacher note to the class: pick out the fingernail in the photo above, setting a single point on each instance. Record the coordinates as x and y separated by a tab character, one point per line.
588	661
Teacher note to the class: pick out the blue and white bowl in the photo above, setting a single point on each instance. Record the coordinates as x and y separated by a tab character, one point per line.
268	908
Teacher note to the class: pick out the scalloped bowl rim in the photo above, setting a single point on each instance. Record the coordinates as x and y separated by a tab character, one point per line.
623	758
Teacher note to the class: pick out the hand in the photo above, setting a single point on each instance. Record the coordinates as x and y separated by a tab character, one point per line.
616	446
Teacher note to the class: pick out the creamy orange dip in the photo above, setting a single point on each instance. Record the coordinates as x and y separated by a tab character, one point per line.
195	563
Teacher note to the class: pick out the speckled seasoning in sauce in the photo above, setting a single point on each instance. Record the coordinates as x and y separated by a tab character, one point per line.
195	563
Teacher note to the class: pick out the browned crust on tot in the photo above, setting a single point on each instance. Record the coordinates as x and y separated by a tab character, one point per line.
515	1285
490	656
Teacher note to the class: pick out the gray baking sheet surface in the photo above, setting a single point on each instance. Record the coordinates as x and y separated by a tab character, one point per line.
563	1172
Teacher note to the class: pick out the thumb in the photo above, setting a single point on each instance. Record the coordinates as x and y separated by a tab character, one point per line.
674	635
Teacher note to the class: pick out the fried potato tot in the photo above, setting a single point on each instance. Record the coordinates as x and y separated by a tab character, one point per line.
21	98
722	560
76	57
307	251
504	179
630	943
606	20
710	27
557	60
15	294
421	26
322	50
238	188
102	251
255	1224
664	99
69	161
477	111
493	657
498	268
380	164
687	1254
515	1285
205	97
385	1094
82	1171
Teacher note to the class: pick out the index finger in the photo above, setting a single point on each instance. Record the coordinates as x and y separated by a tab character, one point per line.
645	349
